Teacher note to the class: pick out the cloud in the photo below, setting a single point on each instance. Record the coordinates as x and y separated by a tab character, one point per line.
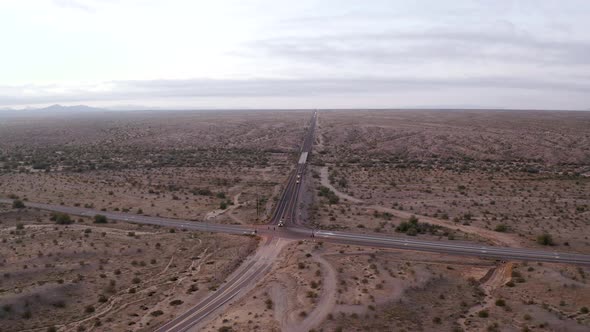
435	44
75	4
266	88
330	48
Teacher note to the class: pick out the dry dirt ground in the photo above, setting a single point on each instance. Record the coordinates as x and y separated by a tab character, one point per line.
496	177
176	164
223	167
500	177
105	277
316	286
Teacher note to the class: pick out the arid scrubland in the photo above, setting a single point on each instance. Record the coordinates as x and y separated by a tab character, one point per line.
316	286
73	274
177	164
519	174
82	275
516	179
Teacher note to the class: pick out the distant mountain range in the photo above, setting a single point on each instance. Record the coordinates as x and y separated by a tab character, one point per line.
52	110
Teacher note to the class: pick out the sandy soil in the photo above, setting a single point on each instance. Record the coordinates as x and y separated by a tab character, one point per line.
477	173
105	277
317	286
495	237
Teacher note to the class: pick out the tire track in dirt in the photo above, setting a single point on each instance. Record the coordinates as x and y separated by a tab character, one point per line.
323	307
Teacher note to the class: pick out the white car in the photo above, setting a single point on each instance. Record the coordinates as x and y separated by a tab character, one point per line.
281	223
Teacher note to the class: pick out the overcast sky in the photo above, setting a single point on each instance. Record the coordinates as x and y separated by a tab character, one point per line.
295	54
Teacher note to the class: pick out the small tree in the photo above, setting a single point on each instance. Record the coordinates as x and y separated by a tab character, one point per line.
100	219
18	204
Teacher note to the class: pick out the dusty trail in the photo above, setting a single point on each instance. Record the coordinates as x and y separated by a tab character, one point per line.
496	278
326	183
217	212
326	302
285	310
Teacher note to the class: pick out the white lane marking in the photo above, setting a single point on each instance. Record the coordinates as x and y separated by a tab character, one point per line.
499	250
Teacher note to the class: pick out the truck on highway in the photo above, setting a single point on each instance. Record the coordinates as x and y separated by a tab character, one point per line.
281	223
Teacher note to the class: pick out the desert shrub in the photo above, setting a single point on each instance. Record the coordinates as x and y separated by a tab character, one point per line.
176	302
268	303
329	194
545	239
59	304
89	309
61	218
413	227
192	288
501	228
202	192
156	313
584	310
100	219
18	204
500	303
20	226
483	314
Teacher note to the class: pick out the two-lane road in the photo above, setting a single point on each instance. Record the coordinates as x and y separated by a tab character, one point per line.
371	240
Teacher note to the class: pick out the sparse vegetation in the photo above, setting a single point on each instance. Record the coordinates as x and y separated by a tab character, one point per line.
18	204
545	239
61	218
100	219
